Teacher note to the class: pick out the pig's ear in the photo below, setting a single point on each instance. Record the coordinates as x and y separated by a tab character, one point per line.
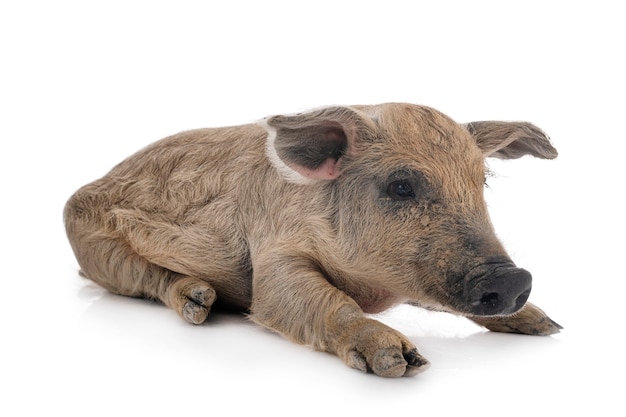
511	140
310	146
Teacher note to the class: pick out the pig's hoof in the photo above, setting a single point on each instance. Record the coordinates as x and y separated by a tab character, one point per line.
385	352
195	313
529	320
390	363
192	298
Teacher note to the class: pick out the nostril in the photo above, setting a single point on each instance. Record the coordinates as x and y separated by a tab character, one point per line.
521	300
490	299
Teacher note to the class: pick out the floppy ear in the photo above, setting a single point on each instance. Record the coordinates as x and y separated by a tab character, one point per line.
310	146
511	140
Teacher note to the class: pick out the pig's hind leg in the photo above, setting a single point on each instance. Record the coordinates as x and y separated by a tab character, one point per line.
117	262
173	248
530	319
116	267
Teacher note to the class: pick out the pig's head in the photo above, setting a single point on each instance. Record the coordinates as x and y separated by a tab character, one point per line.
405	184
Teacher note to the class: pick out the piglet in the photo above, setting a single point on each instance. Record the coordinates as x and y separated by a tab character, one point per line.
308	222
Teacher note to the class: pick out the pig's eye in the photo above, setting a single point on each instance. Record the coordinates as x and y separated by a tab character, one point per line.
400	190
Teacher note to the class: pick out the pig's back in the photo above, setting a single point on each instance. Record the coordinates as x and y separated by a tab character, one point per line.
182	173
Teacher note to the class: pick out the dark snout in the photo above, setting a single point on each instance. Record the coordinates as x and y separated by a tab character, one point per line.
498	288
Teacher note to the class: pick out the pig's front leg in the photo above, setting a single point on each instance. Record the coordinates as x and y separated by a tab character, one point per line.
530	319
291	296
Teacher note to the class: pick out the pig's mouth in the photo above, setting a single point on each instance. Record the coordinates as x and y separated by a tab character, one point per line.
495	287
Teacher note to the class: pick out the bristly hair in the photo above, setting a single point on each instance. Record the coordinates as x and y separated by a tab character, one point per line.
489	173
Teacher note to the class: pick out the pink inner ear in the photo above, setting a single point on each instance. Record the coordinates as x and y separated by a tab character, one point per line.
329	170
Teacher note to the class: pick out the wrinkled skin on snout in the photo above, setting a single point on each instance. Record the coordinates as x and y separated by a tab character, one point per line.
310	221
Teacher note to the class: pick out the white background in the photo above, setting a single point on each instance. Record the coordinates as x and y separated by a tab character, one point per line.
85	84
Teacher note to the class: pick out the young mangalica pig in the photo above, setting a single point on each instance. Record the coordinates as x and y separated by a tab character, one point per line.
310	221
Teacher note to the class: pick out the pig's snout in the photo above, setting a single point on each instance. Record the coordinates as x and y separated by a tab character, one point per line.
498	288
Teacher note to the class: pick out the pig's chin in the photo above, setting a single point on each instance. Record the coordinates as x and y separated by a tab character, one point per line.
487	305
